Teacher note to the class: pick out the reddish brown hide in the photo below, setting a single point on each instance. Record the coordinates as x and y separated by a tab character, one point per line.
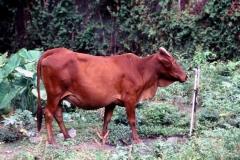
91	82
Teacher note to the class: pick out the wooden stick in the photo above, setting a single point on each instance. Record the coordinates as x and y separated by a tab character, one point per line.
194	102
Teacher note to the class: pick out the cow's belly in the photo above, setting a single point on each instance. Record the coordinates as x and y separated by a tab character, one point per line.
90	104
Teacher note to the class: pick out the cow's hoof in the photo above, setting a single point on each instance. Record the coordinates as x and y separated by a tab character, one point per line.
67	138
52	142
56	146
138	141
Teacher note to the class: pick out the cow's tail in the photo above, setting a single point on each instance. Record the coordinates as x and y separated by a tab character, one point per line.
39	108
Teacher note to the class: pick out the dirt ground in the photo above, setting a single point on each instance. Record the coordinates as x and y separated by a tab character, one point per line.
9	150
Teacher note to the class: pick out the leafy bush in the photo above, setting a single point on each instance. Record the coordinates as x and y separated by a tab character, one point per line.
24	155
119	116
157	118
165	150
62	154
131	152
217	144
85	116
208	114
62	25
159	114
225	82
21	123
119	134
201	57
17	78
7	135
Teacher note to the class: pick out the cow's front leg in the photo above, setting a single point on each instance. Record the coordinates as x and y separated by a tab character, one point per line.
107	117
130	109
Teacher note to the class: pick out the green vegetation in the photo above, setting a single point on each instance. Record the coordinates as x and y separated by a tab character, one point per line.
215	144
216	134
17	77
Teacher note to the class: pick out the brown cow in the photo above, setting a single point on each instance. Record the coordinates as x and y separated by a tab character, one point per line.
91	82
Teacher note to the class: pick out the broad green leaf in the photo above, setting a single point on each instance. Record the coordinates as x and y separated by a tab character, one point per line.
29	56
22	51
3	59
31	66
4	86
10	120
22	89
43	93
21	82
11	64
24	72
6	94
2	73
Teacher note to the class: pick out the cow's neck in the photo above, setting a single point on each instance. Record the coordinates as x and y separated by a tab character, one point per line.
147	68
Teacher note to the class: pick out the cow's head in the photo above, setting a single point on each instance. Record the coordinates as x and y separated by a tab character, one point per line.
169	70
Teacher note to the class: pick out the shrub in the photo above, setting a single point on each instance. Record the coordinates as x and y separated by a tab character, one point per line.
159	114
208	114
21	124
17	78
216	144
8	134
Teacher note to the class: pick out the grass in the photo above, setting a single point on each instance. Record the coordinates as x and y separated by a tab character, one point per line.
84	122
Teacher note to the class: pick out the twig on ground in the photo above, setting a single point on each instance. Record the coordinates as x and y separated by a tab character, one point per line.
103	138
32	150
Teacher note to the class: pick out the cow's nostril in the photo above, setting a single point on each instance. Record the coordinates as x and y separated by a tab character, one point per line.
187	77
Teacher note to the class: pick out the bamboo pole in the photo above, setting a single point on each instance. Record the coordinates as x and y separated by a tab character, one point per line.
194	101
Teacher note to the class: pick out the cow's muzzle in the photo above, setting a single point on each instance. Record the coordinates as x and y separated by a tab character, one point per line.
184	79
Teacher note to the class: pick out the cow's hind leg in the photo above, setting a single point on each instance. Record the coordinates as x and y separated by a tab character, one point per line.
107	117
49	111
59	118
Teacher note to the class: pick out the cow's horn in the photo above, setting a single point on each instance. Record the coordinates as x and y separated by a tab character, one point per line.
163	50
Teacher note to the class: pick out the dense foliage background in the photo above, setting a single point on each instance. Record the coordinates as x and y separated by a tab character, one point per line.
117	26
